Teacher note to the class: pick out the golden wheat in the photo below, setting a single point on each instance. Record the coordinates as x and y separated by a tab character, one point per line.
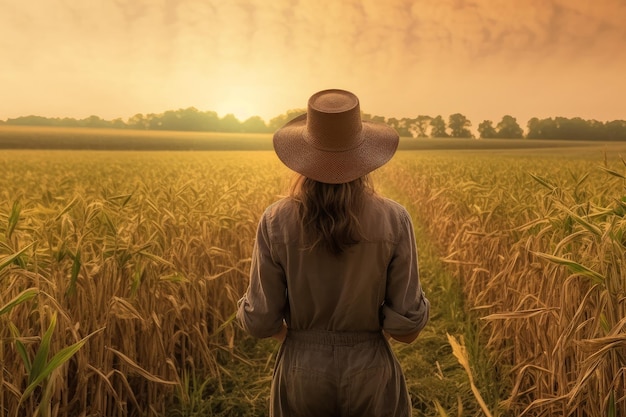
119	272
149	251
540	248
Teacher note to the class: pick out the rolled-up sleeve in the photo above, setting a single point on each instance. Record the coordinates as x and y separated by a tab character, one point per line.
261	310
406	308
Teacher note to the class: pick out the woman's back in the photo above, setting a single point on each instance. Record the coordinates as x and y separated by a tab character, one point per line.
341	292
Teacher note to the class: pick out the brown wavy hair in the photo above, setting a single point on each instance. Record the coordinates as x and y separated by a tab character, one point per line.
329	212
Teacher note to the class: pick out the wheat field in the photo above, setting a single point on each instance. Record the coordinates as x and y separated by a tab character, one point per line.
539	245
119	273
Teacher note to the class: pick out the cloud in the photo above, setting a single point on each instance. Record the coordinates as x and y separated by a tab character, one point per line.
402	56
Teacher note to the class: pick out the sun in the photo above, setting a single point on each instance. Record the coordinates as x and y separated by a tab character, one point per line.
243	101
241	108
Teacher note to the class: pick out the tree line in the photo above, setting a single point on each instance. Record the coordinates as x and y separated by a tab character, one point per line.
456	126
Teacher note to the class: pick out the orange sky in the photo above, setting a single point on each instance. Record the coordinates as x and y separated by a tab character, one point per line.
482	58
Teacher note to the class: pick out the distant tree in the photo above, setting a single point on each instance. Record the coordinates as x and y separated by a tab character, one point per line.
138	121
154	121
486	130
399	125
254	124
30	121
598	129
372	118
94	121
420	126
395	124
69	122
615	130
548	129
576	128
230	123
117	124
195	120
459	126
278	121
542	129
209	121
171	120
191	119
534	128
509	128
438	128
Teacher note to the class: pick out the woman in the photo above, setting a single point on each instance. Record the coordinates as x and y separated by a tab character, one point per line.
334	270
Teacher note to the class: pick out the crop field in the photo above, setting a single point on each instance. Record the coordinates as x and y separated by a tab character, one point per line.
120	272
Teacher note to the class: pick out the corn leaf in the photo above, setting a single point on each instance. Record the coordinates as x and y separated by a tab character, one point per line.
13	217
574	267
611	412
19	299
21	349
41	357
8	260
57	360
71	289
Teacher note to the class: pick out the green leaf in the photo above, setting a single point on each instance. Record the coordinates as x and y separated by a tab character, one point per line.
612	412
57	360
14	217
19	299
41	357
573	267
8	260
228	321
71	289
584	223
604	324
21	349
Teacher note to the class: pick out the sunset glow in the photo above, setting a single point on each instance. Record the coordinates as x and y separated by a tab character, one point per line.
482	58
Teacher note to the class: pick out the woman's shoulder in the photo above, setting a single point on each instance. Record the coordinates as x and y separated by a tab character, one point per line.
282	206
386	217
281	212
389	206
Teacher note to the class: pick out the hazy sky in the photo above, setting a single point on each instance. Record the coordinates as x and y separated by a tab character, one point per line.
482	58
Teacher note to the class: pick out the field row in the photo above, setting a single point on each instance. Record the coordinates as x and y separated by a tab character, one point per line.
31	137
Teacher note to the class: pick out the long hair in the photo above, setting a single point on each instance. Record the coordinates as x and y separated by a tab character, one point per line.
329	212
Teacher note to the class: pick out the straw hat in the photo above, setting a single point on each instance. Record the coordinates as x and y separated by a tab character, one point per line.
330	143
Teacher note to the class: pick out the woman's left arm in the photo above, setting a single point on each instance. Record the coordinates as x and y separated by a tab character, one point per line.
261	309
406	308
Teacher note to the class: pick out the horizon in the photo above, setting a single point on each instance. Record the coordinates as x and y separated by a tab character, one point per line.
221	116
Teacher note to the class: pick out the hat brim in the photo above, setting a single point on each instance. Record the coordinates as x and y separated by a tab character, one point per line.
378	144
